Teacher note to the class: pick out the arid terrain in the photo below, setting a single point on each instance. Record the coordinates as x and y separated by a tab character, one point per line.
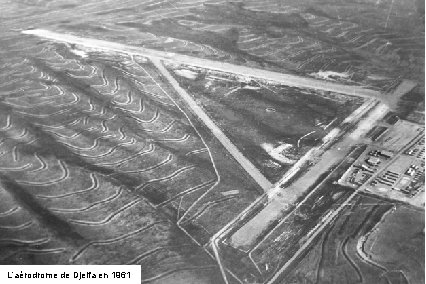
205	140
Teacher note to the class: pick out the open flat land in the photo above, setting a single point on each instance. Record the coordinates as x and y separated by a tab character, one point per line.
205	140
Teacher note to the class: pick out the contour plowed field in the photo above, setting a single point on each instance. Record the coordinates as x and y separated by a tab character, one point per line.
96	164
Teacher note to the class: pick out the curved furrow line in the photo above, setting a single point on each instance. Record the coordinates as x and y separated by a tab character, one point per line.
59	126
44	76
145	255
17	169
241	42
168	159
91	74
110	151
61	91
193	152
17	136
62	136
41	251
128	101
43	115
169	177
112	117
36	251
167	273
113	240
138	154
91	105
15	152
17	227
153	251
64	176
187	191
107	219
116	88
182	139
105	81
139	111
104	126
151	120
65	62
343	248
8	123
18	242
207	206
28	106
94	186
122	134
86	120
341	34
73	102
10	211
94	204
141	107
95	143
102	112
164	130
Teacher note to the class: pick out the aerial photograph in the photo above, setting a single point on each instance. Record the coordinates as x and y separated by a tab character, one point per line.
215	142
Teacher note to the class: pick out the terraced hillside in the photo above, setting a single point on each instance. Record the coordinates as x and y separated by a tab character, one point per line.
380	40
97	163
103	161
373	43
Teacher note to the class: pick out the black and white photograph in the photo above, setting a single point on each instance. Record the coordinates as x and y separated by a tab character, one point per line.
212	142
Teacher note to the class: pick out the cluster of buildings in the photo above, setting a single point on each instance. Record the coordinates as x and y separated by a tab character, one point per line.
387	167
